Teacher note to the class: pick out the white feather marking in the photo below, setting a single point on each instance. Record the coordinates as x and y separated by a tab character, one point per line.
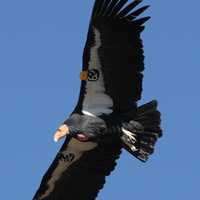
129	134
131	139
85	112
96	101
133	148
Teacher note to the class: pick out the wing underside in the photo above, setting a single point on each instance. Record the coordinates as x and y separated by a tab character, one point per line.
113	57
76	175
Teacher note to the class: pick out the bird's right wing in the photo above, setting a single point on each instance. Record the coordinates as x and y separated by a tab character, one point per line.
113	60
78	175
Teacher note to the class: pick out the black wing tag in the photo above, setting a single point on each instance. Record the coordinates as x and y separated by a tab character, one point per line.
93	75
66	157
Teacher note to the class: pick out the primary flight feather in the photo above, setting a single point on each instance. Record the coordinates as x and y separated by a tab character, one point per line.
107	117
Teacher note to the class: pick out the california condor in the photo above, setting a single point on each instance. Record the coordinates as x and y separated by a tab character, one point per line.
107	117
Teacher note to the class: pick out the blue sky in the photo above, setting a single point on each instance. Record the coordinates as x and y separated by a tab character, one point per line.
41	46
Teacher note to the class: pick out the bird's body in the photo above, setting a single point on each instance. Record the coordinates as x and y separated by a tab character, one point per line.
107	117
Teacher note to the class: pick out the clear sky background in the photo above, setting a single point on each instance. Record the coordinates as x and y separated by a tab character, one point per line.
41	44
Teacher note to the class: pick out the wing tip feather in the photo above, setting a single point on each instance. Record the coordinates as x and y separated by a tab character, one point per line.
117	9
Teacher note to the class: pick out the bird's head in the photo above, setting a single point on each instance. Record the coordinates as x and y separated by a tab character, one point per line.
83	128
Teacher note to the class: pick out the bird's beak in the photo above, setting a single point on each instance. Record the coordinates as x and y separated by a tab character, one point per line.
62	131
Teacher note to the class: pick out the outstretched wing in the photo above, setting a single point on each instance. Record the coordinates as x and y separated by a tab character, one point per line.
113	59
78	175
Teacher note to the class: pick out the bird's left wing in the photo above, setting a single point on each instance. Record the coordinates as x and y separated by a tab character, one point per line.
76	174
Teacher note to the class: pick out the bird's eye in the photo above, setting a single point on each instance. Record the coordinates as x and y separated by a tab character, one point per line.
82	137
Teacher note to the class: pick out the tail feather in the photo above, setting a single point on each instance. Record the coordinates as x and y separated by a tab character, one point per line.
140	134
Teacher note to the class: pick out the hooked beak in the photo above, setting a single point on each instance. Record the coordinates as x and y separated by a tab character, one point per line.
62	131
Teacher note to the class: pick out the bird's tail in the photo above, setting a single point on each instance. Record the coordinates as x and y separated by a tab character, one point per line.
140	134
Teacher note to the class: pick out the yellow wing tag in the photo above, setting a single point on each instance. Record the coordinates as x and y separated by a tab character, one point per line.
84	75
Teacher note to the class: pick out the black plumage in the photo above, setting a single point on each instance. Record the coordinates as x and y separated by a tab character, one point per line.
83	179
121	52
106	116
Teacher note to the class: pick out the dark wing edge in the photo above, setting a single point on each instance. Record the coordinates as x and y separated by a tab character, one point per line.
84	178
121	53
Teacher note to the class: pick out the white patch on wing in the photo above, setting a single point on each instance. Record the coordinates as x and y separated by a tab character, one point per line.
96	101
88	113
75	148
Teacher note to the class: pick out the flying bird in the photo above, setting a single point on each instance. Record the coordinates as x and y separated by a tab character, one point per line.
107	117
